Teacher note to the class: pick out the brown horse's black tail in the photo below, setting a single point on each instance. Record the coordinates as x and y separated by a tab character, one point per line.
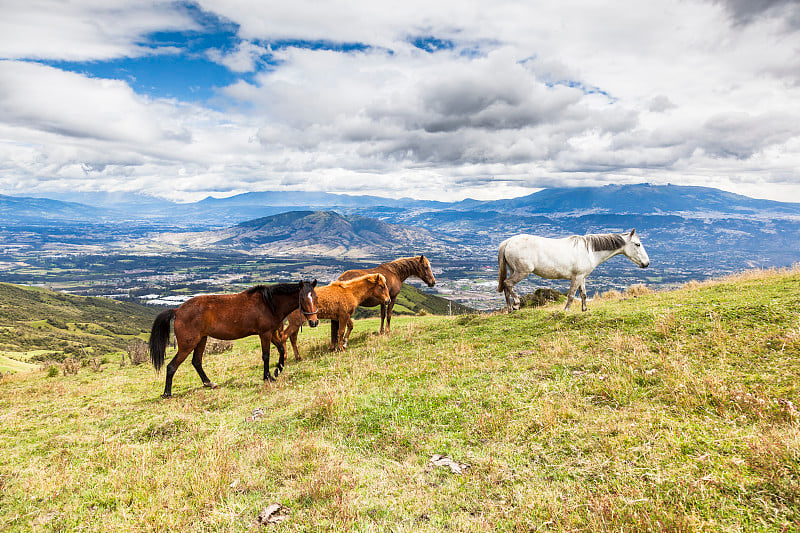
159	336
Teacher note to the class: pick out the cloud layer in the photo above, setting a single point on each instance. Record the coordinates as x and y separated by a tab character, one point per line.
433	100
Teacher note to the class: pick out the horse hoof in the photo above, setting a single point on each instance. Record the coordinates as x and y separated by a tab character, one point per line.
269	378
211	385
278	371
166	395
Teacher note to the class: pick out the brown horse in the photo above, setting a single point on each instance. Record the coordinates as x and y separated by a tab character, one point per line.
259	310
395	272
337	301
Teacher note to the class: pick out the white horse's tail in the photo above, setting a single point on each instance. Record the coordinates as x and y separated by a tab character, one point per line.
501	262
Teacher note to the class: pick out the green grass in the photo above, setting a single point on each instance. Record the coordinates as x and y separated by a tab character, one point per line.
10	364
412	301
59	325
673	411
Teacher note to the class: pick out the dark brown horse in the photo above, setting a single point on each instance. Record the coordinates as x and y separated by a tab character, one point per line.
336	301
395	272
259	310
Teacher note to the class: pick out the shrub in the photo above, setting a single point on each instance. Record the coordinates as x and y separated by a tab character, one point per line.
215	346
137	351
541	297
613	294
56	323
96	364
637	290
70	366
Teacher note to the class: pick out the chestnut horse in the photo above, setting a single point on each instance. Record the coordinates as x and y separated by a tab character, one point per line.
395	272
337	301
259	310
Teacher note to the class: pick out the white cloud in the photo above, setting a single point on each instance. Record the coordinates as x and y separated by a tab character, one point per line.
73	106
83	30
245	58
520	95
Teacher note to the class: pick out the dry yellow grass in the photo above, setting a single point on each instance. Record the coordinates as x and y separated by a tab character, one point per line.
673	411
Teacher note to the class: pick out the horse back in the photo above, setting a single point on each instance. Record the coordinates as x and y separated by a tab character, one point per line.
224	316
393	281
545	257
331	300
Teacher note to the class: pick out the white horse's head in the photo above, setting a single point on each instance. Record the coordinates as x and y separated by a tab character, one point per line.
634	250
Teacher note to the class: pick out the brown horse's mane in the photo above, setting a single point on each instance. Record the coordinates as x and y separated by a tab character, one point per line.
404	267
268	291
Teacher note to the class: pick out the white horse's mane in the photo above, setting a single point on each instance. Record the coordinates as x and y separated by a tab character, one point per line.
598	242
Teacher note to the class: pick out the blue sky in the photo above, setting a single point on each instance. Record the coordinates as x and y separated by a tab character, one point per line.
441	100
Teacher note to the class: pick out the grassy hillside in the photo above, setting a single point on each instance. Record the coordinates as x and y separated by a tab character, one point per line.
39	325
667	412
42	324
412	301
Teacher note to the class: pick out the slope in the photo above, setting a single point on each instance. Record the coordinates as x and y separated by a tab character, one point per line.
412	301
46	325
673	411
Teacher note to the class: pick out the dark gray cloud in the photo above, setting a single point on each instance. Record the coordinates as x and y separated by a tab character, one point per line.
745	12
741	135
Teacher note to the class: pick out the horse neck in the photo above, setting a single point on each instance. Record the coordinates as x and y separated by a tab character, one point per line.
356	288
404	268
286	303
605	255
601	256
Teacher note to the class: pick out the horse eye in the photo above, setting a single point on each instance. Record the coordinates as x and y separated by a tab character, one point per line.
638	244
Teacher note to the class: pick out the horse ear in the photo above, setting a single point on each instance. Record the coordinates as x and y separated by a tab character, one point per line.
314	283
633	231
421	258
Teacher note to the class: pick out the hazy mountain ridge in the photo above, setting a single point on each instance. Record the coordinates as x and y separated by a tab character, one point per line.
670	218
637	199
316	232
610	199
23	210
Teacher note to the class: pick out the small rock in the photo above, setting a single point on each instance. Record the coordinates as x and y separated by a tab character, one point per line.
257	413
273	514
455	467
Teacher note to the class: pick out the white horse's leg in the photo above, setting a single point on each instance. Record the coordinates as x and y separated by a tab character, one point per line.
582	287
573	286
512	300
508	291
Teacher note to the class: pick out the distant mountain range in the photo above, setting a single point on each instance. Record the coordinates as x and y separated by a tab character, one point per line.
641	199
24	210
670	218
313	233
637	199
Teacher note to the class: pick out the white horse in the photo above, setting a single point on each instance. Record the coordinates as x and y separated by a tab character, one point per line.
571	258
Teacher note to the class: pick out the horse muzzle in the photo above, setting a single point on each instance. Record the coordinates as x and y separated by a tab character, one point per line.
313	323
644	265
